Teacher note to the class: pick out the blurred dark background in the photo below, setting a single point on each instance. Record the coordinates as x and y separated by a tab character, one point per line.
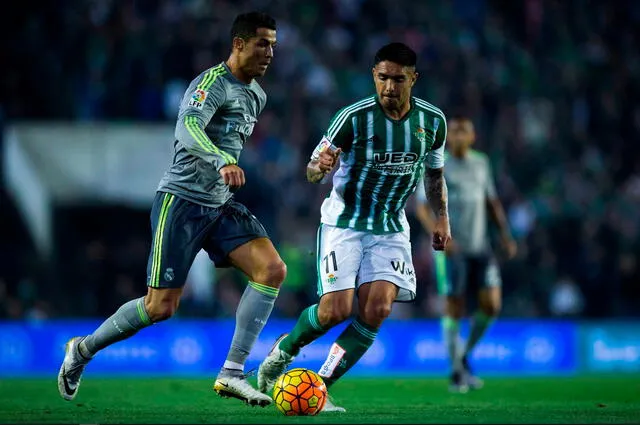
552	87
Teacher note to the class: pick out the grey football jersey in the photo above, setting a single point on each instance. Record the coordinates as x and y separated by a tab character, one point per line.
470	183
216	117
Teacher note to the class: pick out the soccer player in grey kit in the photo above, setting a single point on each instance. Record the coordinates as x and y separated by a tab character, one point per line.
194	209
468	261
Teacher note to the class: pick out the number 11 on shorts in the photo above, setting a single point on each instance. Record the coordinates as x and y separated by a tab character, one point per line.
332	254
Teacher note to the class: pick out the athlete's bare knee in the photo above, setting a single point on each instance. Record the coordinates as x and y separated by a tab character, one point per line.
332	316
272	274
376	312
490	301
491	309
454	307
334	310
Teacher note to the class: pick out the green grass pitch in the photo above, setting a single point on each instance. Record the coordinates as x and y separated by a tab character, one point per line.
368	400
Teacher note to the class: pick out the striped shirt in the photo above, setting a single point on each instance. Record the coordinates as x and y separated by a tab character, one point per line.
216	118
382	161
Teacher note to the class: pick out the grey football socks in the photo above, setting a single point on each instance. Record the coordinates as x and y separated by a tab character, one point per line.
451	333
125	322
252	314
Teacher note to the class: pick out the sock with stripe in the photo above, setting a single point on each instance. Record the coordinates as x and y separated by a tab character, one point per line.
350	346
451	334
124	323
306	330
252	314
479	326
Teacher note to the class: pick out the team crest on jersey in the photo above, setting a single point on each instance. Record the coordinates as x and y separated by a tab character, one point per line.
197	98
421	135
331	278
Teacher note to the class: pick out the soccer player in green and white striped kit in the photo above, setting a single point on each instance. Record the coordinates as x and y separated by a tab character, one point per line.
194	209
385	145
468	261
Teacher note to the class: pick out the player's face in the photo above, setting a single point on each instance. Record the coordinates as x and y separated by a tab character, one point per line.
393	84
460	134
257	52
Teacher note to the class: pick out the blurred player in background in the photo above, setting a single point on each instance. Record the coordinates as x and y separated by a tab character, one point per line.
383	144
194	209
468	261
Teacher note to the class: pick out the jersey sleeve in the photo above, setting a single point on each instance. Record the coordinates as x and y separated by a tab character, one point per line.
339	134
196	110
435	157
262	100
490	186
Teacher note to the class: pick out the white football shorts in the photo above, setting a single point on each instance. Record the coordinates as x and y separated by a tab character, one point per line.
347	258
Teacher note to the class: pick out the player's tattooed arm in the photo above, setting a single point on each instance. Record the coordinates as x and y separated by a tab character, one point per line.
437	191
437	197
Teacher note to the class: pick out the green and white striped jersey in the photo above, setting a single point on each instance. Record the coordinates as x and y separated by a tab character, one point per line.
382	160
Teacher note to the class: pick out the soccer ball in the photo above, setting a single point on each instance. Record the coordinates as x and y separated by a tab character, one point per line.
300	392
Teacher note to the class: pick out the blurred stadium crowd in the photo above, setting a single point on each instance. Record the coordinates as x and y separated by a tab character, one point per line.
551	85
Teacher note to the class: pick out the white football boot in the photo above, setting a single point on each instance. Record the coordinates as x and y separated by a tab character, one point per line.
273	366
71	370
331	407
232	383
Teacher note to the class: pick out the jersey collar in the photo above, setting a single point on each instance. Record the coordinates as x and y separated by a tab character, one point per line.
403	119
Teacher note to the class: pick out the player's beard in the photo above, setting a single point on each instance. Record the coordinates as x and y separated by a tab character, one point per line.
391	103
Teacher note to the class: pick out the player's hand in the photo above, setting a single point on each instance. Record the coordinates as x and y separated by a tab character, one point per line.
233	176
510	247
328	159
441	234
451	249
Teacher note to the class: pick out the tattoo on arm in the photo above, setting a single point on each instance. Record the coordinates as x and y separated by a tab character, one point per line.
437	191
314	175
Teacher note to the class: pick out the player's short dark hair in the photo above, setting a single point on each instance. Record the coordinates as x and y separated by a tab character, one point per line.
398	53
246	24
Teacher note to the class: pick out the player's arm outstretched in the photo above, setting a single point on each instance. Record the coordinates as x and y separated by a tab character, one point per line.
496	212
195	112
436	190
